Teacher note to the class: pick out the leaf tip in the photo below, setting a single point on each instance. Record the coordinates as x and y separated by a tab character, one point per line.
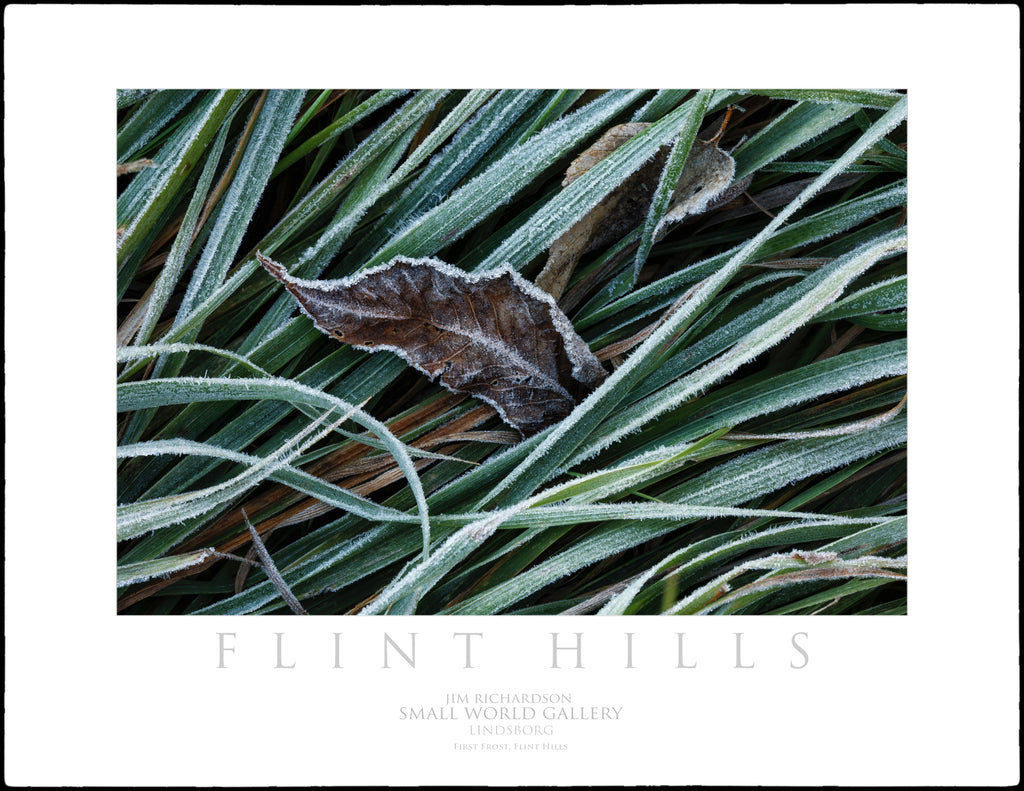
276	270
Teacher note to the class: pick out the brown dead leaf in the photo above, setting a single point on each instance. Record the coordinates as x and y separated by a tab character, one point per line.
707	173
495	335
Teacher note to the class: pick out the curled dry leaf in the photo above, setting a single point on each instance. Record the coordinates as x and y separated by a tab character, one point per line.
495	335
706	175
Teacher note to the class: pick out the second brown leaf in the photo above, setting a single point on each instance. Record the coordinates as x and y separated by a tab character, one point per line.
706	175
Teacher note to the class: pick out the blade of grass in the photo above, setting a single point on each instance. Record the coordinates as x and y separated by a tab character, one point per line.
135	395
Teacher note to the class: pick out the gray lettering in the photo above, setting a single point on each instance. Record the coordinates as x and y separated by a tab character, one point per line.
555	648
801	650
279	652
739	649
410	660
467	635
224	648
680	663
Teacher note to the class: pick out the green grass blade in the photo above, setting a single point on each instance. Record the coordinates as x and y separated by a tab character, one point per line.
136	395
472	203
670	177
375	102
156	112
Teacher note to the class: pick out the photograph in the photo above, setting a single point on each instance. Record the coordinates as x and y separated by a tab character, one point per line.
512	352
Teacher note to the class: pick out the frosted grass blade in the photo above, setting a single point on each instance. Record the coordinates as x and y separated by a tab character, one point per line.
805	567
738	404
298	479
136	395
823	291
798	125
473	202
420	578
883	100
130	573
664	101
670	177
888	295
373	103
448	167
150	515
172	270
264	145
156	112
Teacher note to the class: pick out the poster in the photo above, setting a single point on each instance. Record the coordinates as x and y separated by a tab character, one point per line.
562	700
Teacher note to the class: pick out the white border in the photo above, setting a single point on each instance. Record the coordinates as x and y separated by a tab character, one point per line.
92	699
